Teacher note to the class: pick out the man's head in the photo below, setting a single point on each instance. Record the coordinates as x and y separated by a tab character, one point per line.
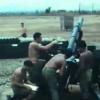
22	24
37	37
80	34
82	46
28	65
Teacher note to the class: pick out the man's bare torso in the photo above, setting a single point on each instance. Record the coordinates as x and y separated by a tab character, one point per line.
18	76
56	62
23	30
33	52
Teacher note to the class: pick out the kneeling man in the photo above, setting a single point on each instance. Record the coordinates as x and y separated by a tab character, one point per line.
20	85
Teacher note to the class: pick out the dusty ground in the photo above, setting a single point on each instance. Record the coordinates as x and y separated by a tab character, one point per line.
7	67
50	27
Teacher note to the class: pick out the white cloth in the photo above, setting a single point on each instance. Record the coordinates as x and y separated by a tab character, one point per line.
33	87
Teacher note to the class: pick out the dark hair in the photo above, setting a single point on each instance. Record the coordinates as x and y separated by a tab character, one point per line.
80	34
82	44
22	24
36	35
28	63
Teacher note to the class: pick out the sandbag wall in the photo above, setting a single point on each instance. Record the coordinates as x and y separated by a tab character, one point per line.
13	48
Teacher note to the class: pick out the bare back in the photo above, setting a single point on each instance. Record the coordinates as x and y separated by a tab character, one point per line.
86	59
56	62
18	76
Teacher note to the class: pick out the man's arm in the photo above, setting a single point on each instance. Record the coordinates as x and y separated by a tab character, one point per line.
27	81
46	47
17	80
17	83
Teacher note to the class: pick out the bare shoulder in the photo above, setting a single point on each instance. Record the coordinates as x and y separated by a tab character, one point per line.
60	55
33	44
17	71
87	53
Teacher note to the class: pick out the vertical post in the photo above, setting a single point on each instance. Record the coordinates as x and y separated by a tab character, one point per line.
62	23
79	8
92	10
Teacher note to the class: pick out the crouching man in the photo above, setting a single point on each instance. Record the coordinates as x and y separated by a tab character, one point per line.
20	85
49	72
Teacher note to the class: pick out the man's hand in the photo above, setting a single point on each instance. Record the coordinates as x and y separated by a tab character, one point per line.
55	42
59	72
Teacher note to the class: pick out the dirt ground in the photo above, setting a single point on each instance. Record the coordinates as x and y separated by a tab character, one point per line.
7	67
49	26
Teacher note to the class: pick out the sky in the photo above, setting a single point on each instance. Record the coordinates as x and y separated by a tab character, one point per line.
33	5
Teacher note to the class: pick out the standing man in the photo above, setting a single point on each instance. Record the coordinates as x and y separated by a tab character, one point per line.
19	81
34	50
35	47
85	69
23	30
49	72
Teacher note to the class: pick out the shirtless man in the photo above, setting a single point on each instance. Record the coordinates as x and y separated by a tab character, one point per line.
55	64
85	69
18	80
34	50
35	47
23	30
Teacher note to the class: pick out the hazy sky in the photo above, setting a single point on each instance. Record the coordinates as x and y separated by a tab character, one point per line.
33	5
